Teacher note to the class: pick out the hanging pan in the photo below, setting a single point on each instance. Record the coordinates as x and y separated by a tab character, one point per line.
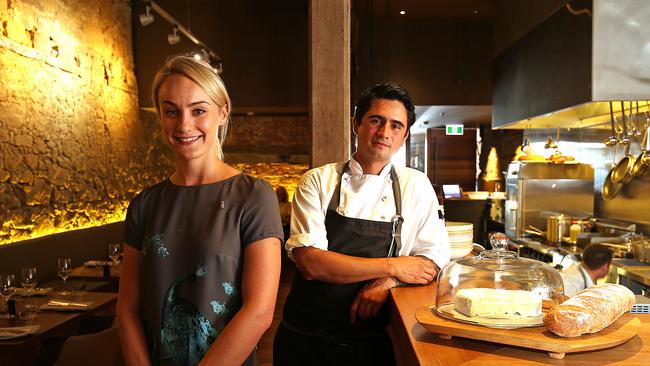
643	160
622	172
610	188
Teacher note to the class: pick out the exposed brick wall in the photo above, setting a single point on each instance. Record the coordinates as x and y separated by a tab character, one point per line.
278	137
73	151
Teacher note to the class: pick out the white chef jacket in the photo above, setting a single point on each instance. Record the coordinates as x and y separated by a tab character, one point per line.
369	197
575	278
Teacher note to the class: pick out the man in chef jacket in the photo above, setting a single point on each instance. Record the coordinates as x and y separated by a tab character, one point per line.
359	228
593	266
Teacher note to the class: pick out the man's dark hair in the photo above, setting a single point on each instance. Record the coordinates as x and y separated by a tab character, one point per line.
388	91
595	255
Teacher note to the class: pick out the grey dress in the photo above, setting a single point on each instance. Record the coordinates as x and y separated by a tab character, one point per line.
192	240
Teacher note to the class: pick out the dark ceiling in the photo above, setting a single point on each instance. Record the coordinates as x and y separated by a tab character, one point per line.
425	9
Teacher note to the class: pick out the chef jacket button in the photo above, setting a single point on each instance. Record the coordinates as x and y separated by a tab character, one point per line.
384	198
383	217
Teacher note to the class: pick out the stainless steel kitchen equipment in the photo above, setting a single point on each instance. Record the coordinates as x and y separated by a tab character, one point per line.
597	58
536	188
557	227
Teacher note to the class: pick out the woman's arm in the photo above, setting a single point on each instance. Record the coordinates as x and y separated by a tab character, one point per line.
260	281
132	339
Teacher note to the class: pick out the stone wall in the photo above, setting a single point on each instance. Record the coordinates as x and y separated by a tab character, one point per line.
74	146
73	151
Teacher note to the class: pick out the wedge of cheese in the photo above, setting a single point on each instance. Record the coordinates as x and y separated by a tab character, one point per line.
493	303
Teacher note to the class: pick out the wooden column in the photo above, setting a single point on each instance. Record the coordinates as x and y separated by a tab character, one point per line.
329	109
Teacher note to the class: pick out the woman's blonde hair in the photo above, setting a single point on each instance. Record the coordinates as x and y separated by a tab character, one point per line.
205	77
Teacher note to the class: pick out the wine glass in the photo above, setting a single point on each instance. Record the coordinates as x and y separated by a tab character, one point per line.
29	279
7	290
114	252
64	270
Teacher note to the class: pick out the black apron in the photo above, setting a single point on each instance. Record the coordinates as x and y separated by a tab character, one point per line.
321	311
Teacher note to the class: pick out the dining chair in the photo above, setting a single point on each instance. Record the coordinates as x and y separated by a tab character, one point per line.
102	346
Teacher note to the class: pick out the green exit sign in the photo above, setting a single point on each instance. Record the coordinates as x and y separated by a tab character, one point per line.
454	129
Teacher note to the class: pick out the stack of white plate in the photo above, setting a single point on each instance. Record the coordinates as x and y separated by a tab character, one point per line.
461	238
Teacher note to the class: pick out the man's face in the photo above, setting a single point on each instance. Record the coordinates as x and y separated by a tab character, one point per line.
381	131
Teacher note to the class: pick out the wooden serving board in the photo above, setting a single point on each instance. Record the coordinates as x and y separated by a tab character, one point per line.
626	327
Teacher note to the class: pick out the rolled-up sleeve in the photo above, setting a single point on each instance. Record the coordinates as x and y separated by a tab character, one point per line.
433	242
308	215
430	238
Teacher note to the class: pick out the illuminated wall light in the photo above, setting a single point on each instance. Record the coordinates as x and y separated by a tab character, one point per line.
402	12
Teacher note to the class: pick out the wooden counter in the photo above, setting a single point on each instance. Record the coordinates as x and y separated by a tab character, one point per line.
416	346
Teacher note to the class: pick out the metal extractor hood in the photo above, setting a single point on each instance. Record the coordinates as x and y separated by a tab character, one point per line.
565	71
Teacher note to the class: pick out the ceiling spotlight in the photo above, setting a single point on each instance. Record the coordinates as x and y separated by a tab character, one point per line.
173	38
146	19
402	12
197	57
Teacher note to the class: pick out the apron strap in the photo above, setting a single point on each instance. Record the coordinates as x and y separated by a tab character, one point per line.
397	220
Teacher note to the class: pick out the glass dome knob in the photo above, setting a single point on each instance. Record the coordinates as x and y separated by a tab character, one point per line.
499	241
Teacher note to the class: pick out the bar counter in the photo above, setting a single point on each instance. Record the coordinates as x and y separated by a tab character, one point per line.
416	346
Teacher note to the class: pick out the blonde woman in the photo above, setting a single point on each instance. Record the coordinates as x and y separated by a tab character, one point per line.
202	262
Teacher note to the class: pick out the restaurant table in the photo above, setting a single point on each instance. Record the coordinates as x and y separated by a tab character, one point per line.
414	345
94	285
96	273
54	324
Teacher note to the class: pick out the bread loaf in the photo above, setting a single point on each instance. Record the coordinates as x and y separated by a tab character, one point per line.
590	310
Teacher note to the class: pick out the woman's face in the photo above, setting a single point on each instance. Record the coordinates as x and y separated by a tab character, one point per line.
190	119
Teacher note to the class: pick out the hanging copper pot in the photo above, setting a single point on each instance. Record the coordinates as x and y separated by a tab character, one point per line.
622	172
643	160
610	188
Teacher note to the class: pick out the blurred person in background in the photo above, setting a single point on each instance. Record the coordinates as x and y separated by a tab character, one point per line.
285	209
593	266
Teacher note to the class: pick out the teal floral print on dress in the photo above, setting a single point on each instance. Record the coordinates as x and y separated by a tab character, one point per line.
156	242
228	288
219	307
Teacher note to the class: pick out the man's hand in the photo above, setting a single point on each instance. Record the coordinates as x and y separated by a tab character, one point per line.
414	270
371	297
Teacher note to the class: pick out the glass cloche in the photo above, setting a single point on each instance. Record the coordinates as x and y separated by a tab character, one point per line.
497	288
